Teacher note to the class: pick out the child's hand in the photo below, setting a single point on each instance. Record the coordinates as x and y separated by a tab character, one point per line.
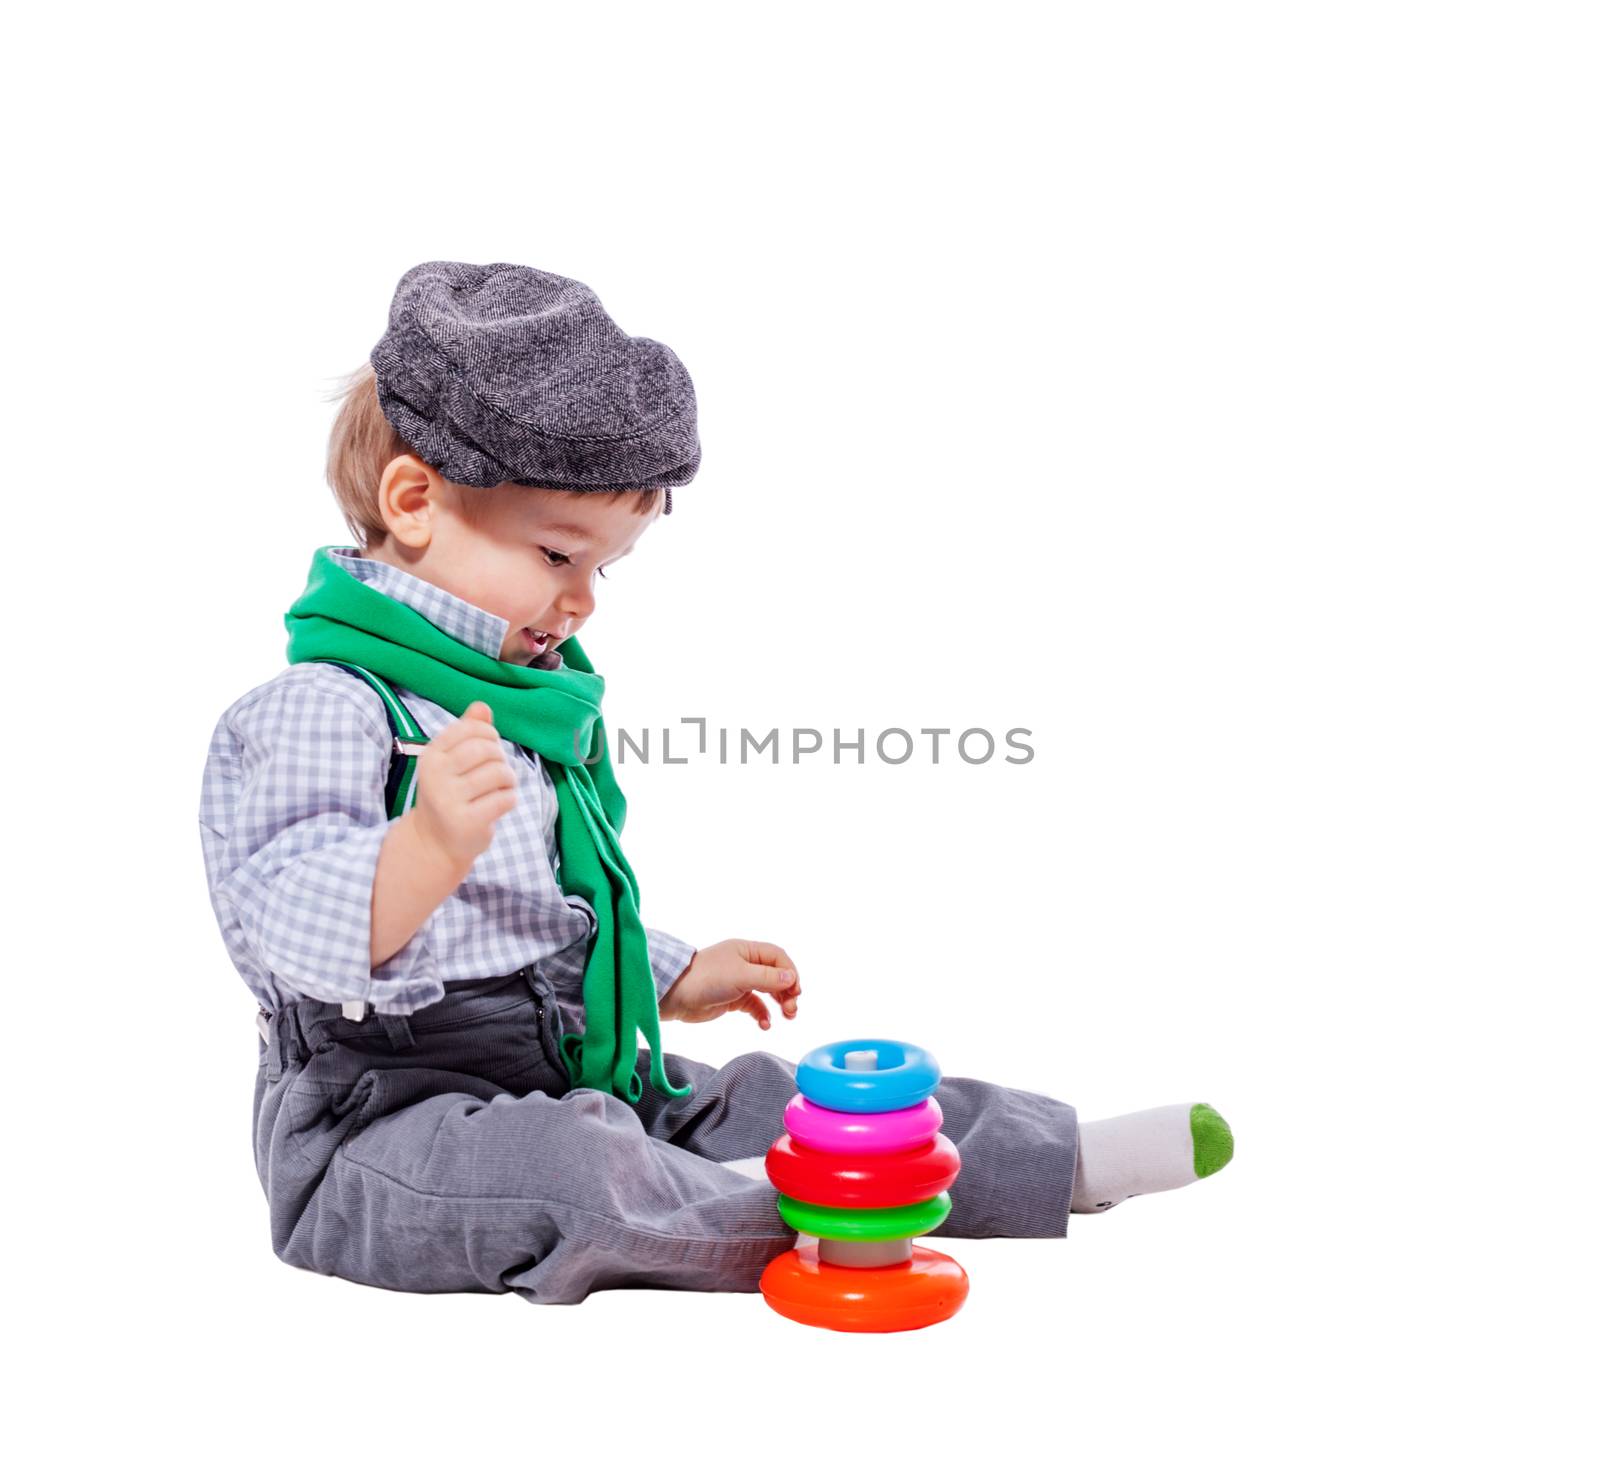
728	976
464	786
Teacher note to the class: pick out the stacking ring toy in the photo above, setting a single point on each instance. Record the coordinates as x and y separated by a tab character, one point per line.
904	1075
862	1182
862	1166
927	1288
897	1223
861	1132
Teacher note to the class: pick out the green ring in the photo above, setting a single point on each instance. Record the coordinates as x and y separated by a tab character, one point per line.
894	1222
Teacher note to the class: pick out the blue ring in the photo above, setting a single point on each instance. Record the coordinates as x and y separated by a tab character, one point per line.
909	1075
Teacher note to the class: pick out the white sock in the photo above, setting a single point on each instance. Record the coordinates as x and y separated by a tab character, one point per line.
750	1167
1144	1152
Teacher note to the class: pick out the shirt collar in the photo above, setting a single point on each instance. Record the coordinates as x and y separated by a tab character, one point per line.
449	613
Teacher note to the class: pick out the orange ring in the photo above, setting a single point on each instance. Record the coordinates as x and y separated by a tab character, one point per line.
928	1288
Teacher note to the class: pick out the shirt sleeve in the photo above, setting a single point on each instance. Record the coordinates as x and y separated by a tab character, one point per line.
668	958
303	845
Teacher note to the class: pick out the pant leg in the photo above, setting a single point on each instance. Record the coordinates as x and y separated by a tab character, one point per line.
466	1161
1019	1149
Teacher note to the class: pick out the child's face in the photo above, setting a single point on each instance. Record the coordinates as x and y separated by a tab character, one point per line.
530	556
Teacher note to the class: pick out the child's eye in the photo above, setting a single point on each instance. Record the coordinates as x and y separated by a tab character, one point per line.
601	570
554	558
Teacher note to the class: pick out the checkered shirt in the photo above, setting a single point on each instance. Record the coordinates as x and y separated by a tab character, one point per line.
292	816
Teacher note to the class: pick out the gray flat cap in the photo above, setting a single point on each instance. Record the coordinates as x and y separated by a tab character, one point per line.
503	374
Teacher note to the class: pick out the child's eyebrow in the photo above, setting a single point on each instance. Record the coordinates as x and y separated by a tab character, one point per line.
576	532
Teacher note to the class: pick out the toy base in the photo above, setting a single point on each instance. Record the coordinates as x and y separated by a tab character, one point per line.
928	1288
865	1253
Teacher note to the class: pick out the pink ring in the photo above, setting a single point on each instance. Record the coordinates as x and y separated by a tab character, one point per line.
828	1131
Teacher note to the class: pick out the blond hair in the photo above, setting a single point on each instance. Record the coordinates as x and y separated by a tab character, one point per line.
363	443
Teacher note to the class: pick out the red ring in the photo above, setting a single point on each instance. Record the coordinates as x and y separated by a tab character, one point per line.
863	1181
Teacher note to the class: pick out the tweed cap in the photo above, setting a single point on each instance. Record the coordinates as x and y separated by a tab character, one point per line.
503	374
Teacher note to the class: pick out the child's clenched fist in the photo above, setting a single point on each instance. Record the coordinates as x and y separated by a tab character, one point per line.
464	786
728	976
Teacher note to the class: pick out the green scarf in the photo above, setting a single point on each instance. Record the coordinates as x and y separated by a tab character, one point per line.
555	713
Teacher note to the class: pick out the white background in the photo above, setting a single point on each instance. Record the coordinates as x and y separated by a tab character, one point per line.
1209	389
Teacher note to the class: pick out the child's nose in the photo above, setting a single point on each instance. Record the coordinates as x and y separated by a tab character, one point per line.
577	600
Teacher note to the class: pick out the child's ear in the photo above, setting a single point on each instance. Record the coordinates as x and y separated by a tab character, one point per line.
408	493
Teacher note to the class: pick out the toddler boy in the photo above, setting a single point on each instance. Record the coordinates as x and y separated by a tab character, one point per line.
412	841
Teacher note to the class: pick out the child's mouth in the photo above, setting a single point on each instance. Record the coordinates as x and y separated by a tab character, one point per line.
538	641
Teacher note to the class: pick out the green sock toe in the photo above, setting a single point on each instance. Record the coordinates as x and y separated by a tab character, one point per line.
1213	1139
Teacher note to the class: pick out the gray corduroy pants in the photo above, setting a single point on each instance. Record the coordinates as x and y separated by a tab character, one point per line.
448	1151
